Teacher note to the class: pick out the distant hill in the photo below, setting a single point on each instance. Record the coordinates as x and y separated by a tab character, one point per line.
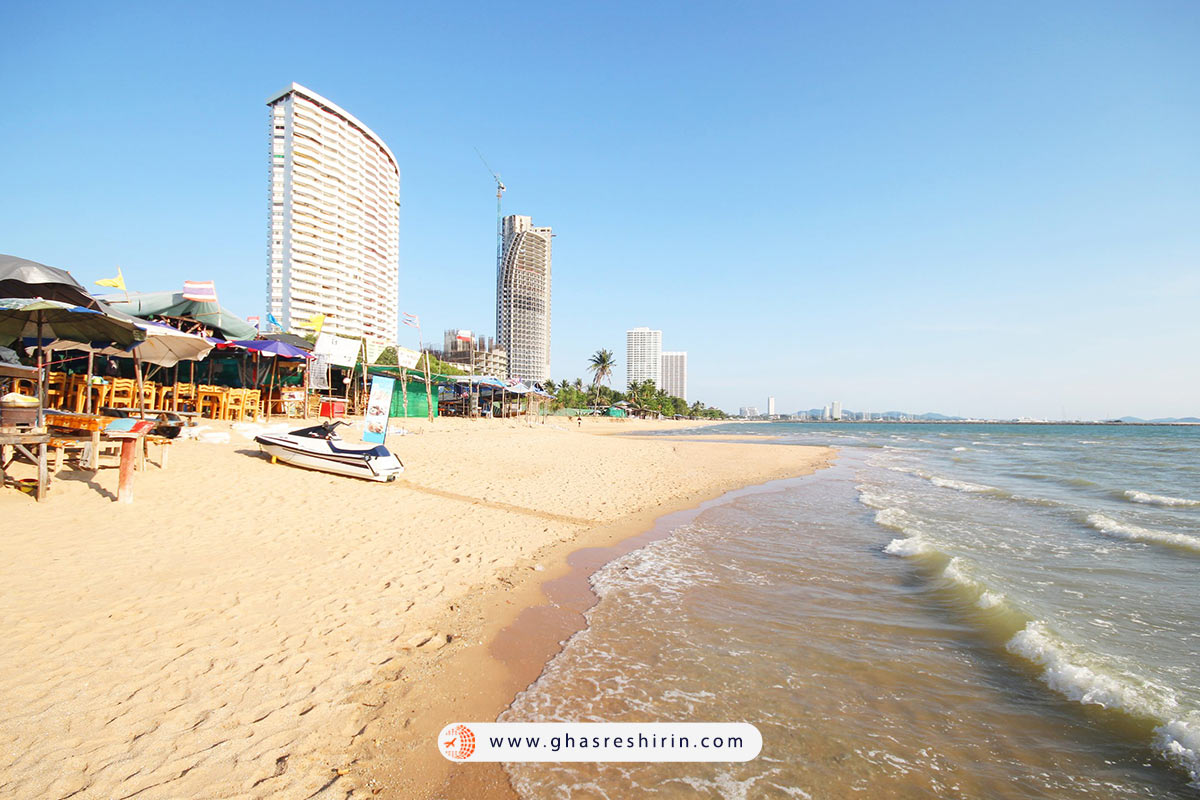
1161	419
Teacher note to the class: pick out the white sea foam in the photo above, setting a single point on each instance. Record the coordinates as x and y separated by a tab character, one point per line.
961	486
1179	742
1138	534
990	599
1082	683
912	546
960	449
1159	499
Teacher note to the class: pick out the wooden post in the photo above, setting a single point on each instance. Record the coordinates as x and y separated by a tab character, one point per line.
43	476
137	371
428	390
175	389
87	389
307	370
41	360
125	483
404	388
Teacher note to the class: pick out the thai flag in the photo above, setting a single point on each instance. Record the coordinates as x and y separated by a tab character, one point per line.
411	320
253	321
200	291
463	336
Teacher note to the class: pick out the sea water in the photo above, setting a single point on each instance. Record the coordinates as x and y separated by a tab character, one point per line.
950	611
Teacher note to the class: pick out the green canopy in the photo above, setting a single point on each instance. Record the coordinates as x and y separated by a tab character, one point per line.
173	304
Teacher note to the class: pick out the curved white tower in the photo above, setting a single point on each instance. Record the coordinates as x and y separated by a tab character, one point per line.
523	298
334	194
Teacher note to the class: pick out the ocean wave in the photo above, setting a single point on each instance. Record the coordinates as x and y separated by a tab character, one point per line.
1159	499
1065	672
960	449
961	486
1138	534
1085	684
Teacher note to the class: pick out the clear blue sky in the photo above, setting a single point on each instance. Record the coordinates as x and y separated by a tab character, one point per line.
984	209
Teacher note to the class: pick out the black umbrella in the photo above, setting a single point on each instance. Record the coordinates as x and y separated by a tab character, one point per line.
20	277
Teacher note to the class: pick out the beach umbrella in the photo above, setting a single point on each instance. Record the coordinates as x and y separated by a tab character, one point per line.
270	348
164	346
49	319
20	277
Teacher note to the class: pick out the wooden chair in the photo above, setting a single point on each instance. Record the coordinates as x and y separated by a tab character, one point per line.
25	386
56	390
122	393
235	404
78	390
253	403
149	394
212	399
180	397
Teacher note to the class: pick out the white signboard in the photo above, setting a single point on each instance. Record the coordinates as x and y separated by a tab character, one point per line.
407	358
338	350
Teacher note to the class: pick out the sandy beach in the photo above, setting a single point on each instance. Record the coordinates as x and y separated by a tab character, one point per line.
255	630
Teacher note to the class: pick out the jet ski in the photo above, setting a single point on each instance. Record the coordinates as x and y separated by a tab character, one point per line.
321	448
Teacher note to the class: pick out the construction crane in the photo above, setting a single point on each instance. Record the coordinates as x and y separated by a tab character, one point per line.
499	219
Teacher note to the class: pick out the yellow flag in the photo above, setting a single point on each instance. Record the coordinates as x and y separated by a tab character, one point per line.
116	283
316	322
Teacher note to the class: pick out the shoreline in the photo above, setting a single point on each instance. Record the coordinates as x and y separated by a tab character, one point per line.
543	606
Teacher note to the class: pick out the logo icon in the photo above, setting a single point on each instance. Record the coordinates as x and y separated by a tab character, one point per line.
457	742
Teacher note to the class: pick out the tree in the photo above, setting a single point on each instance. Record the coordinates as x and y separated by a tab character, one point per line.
387	357
601	366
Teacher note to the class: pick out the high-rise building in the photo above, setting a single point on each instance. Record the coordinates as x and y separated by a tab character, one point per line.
523	298
673	370
770	406
836	410
643	356
334	198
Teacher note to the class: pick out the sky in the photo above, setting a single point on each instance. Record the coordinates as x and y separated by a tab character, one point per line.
976	209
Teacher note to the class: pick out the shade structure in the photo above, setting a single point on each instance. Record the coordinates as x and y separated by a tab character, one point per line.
289	338
271	348
20	277
174	304
163	345
50	319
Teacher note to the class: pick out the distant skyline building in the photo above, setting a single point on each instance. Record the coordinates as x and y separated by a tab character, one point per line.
478	355
334	234
643	356
673	368
770	406
836	410
523	298
748	411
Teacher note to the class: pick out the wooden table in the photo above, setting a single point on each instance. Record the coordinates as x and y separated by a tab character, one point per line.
21	442
129	432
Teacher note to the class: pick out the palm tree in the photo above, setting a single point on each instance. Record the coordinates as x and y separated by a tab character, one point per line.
601	366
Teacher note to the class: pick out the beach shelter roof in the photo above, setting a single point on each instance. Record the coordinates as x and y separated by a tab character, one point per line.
173	304
164	345
20	277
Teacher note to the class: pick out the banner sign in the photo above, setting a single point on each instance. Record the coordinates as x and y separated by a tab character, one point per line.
318	372
407	358
379	405
374	350
340	351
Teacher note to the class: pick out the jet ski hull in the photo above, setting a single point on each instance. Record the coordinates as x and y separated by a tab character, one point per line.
371	463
